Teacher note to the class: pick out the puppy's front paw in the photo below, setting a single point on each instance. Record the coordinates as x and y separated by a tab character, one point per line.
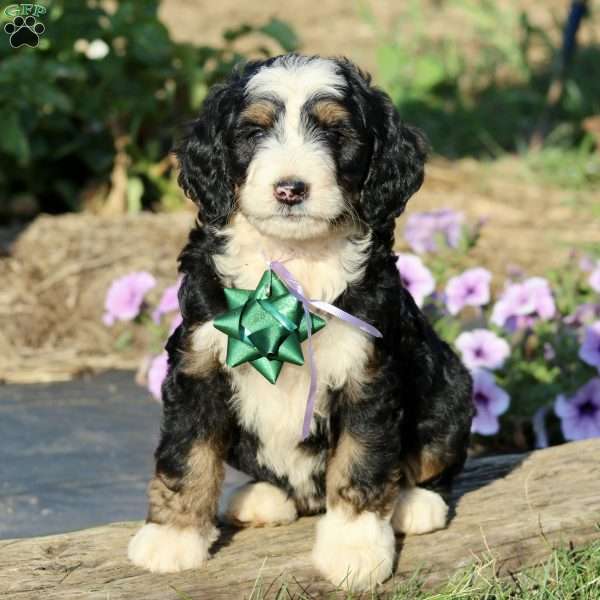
165	549
356	552
419	511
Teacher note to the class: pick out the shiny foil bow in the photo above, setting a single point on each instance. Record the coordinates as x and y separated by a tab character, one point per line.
266	326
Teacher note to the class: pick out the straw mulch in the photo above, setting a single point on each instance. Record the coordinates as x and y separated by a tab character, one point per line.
54	284
55	281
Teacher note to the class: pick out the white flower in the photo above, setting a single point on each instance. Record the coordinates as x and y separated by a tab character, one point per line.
97	50
81	46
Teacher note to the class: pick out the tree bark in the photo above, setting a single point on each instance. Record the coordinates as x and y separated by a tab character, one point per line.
508	511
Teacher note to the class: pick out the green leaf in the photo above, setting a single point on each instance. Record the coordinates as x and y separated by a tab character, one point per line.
390	59
54	98
13	139
198	91
150	43
124	340
230	35
282	33
428	73
135	190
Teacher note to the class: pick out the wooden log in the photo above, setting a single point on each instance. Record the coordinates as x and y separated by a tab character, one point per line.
512	509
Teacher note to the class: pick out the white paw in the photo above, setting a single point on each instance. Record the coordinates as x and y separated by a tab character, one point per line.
355	552
165	549
259	504
419	511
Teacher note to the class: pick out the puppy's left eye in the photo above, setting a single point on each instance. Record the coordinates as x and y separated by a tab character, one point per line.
253	131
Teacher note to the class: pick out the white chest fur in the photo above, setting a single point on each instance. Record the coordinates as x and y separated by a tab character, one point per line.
275	412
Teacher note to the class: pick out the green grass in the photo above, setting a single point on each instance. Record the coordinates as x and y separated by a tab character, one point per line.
572	168
568	574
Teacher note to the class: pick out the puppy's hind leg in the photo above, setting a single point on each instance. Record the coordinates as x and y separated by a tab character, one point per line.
260	504
419	511
422	509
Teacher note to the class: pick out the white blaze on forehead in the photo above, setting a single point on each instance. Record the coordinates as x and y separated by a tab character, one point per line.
292	150
297	79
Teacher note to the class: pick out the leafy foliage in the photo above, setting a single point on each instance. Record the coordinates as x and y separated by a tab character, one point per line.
69	109
483	91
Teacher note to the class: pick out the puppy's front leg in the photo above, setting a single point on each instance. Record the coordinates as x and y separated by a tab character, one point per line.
355	544
184	493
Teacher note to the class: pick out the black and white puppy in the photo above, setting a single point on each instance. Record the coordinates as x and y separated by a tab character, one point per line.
301	158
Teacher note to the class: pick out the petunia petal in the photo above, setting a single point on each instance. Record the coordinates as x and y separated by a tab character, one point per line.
563	408
485	423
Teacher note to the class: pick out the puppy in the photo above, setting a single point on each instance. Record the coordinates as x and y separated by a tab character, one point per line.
301	159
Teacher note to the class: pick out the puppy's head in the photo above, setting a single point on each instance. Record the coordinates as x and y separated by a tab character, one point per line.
301	146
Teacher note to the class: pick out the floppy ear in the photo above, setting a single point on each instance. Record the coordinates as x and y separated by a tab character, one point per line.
205	175
397	163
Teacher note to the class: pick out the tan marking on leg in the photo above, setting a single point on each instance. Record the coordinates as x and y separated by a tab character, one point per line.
431	466
179	530
341	490
347	452
191	501
423	467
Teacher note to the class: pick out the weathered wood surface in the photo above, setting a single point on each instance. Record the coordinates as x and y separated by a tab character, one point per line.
512	509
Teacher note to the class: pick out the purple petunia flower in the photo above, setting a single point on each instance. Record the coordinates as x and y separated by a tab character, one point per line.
584	313
594	278
590	349
470	288
580	414
175	323
424	228
482	348
586	263
416	277
125	296
521	304
549	352
156	374
169	302
490	401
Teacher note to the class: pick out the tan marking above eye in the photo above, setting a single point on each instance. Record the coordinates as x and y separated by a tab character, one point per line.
261	113
329	112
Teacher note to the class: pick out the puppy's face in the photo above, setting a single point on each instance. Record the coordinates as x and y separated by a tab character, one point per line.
300	151
301	146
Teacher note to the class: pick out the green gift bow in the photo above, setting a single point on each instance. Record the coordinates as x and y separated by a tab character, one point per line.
265	326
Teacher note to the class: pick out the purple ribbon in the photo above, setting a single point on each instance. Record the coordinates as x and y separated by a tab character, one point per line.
296	290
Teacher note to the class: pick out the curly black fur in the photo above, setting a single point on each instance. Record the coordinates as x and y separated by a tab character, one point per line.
419	398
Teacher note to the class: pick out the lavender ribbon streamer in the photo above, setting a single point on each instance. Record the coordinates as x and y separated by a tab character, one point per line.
296	290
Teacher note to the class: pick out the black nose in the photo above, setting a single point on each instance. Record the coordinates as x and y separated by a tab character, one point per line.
290	191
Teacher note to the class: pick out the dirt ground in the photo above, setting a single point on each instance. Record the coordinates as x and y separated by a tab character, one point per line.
333	27
55	280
